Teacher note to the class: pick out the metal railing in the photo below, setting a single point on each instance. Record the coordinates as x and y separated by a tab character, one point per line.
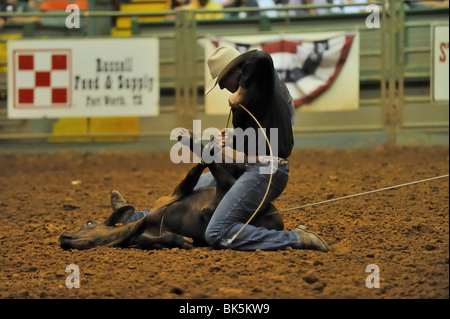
388	108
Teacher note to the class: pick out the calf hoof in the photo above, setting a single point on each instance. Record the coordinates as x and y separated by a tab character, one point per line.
186	137
166	240
188	243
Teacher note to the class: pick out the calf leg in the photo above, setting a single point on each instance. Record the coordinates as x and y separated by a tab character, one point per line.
188	183
166	240
222	172
224	180
123	214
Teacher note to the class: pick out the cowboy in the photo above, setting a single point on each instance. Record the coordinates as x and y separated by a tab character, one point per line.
256	92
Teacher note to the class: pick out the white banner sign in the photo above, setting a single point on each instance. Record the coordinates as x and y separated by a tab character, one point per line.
316	67
440	63
83	78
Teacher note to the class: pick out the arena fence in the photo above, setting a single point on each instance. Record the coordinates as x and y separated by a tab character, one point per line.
396	103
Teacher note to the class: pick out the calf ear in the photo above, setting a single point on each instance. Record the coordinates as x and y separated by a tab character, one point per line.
120	216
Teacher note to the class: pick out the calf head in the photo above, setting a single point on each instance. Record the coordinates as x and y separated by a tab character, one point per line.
93	234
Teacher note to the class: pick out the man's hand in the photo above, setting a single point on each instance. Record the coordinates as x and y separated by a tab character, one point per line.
237	97
225	136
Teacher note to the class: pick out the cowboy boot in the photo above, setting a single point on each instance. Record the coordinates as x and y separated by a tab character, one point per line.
310	240
117	200
122	210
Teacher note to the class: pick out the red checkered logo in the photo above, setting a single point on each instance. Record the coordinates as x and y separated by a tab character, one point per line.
42	78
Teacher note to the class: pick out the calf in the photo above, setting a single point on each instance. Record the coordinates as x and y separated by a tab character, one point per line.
179	220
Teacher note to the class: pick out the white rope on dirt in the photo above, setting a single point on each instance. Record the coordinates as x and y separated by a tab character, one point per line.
361	194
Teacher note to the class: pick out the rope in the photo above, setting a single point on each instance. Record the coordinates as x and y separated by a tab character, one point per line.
161	225
361	194
230	241
229	116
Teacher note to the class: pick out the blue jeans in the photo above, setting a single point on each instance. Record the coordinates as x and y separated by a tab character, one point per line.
138	214
239	203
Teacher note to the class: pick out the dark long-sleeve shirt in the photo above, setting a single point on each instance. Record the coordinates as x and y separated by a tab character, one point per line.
268	102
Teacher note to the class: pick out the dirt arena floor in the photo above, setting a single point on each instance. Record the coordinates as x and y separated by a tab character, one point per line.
404	231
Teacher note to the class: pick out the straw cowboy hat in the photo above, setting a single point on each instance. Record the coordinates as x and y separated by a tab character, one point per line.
222	61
